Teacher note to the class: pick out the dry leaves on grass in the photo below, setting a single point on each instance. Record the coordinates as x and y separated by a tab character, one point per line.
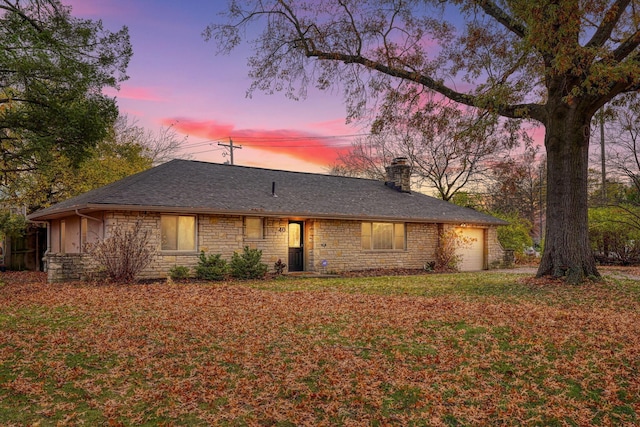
230	354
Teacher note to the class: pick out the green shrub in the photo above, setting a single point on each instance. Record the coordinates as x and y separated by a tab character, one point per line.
516	235
248	265
179	272
614	234
211	267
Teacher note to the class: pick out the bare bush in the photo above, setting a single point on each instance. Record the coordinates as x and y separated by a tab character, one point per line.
125	253
447	256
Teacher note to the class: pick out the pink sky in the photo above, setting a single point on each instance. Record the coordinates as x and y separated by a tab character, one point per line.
175	78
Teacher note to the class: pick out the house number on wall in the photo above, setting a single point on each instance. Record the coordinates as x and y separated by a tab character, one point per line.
282	229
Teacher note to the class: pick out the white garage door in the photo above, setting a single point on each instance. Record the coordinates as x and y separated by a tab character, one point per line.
472	249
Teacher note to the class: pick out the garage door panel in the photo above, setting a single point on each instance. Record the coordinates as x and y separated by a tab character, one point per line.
471	251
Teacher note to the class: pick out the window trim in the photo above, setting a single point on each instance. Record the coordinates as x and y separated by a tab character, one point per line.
394	237
195	234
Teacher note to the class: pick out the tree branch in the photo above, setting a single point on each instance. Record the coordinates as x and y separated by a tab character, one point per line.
519	111
609	22
14	8
627	47
492	9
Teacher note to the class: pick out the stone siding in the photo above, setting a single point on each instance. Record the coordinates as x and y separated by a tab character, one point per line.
215	235
337	246
495	251
69	267
330	246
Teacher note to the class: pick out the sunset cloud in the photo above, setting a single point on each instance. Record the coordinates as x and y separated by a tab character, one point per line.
311	148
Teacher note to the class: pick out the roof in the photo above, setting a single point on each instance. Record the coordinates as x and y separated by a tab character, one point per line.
200	187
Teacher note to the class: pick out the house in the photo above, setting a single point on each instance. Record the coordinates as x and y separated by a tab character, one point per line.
312	222
24	252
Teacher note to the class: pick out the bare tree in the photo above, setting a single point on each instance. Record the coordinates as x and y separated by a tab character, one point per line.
514	185
368	157
623	154
160	146
555	63
449	149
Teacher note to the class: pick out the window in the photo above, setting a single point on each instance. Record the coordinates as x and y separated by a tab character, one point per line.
295	235
178	232
253	228
382	235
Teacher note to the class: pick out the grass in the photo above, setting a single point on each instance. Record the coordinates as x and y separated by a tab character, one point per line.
456	349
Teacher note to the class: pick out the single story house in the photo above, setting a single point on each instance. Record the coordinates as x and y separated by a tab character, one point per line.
312	222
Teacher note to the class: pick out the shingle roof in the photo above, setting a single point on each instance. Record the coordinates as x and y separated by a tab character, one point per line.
199	187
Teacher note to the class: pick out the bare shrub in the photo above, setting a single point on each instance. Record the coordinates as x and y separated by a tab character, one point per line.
447	257
125	253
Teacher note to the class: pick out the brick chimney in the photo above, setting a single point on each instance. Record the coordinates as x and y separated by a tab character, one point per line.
399	175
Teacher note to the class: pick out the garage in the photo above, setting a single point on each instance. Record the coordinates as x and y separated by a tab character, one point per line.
471	249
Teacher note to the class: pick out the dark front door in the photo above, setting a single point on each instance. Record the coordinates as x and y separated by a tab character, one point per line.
296	246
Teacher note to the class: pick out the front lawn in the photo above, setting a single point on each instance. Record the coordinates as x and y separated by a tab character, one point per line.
462	349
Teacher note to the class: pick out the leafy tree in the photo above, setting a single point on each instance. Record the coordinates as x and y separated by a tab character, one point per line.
516	235
469	200
127	149
53	68
12	224
553	62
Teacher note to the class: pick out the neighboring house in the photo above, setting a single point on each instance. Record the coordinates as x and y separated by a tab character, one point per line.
312	222
24	252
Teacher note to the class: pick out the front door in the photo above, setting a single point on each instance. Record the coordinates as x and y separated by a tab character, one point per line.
296	246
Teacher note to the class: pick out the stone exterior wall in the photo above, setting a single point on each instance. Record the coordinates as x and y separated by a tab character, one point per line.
330	246
337	247
69	267
215	235
495	251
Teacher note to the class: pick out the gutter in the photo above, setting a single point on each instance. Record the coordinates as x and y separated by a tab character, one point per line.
271	214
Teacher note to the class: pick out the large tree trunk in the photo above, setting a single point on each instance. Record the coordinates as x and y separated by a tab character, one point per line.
567	252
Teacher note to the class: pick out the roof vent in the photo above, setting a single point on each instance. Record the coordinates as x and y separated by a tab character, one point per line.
273	189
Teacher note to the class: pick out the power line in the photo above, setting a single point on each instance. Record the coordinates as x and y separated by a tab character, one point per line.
300	138
297	146
207	151
277	139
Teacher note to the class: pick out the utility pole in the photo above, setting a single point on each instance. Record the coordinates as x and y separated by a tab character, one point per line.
541	237
231	147
603	159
